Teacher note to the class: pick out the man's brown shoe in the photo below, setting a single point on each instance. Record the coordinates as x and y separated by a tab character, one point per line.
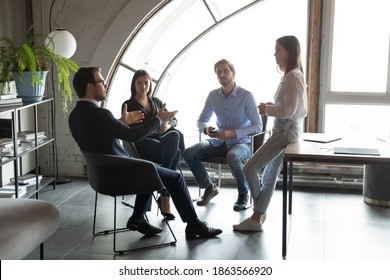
208	194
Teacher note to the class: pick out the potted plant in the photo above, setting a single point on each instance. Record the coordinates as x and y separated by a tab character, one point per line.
28	64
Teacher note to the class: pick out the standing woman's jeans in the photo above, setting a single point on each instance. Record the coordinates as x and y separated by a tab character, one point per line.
268	159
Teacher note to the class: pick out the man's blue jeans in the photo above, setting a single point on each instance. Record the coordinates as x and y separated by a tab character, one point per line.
235	157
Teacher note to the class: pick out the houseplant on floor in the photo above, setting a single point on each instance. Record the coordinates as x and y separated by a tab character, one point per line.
28	64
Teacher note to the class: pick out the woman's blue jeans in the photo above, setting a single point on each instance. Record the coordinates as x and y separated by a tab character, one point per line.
267	160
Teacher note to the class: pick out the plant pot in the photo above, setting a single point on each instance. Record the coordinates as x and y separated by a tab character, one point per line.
30	93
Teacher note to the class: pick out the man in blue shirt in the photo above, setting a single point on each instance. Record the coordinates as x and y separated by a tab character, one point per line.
237	119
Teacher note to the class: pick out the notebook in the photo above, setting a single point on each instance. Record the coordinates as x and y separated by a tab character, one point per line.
356	151
321	137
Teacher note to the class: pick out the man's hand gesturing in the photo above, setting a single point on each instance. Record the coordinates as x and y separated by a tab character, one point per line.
131	117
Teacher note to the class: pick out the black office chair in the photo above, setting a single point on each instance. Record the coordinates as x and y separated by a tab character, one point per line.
119	176
256	141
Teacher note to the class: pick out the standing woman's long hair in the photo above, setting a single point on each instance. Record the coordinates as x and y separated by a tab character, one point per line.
291	44
137	74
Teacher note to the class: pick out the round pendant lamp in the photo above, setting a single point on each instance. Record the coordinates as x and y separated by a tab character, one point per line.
63	41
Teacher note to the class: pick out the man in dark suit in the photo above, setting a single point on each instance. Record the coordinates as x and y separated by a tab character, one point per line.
96	130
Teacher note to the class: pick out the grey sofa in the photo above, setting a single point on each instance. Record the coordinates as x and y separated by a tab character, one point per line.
24	225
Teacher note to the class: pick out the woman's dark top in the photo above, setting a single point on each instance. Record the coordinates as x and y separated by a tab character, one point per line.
155	105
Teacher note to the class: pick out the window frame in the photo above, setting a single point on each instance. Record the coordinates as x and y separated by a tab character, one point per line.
340	97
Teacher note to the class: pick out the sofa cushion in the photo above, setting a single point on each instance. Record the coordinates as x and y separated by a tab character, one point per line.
24	225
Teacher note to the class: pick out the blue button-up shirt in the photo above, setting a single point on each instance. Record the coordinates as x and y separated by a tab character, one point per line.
238	111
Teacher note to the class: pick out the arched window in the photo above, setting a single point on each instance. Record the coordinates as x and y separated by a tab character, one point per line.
179	44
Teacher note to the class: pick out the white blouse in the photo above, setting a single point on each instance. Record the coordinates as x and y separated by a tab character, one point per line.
290	98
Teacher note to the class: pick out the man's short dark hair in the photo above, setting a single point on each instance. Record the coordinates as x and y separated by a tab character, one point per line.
82	77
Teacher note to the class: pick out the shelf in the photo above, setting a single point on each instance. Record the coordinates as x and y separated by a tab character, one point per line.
25	149
9	109
34	190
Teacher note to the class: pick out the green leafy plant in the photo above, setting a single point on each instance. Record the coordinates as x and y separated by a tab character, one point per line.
36	58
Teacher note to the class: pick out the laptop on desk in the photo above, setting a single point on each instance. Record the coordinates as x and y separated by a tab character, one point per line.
356	151
321	137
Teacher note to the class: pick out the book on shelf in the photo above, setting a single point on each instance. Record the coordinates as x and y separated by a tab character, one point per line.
8	142
9	152
8	96
11	187
28	135
6	148
9	191
11	194
31	143
29	184
11	102
27	178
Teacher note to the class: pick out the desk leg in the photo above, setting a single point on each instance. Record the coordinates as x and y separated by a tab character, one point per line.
290	187
284	226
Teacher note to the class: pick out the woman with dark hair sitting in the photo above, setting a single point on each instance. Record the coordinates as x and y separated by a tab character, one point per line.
165	145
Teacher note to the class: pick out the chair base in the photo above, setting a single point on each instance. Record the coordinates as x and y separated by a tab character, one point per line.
118	230
121	252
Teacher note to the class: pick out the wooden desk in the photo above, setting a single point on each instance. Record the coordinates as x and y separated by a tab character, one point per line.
305	151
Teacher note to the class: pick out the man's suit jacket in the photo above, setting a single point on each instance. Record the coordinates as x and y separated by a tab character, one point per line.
95	129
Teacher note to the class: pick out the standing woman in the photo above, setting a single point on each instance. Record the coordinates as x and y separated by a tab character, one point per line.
164	145
289	109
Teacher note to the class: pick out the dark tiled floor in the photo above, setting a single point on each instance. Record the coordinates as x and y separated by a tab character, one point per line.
325	225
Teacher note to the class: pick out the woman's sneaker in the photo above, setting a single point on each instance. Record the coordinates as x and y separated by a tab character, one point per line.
250	225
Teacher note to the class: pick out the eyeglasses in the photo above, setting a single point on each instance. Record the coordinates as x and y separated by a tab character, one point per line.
101	81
